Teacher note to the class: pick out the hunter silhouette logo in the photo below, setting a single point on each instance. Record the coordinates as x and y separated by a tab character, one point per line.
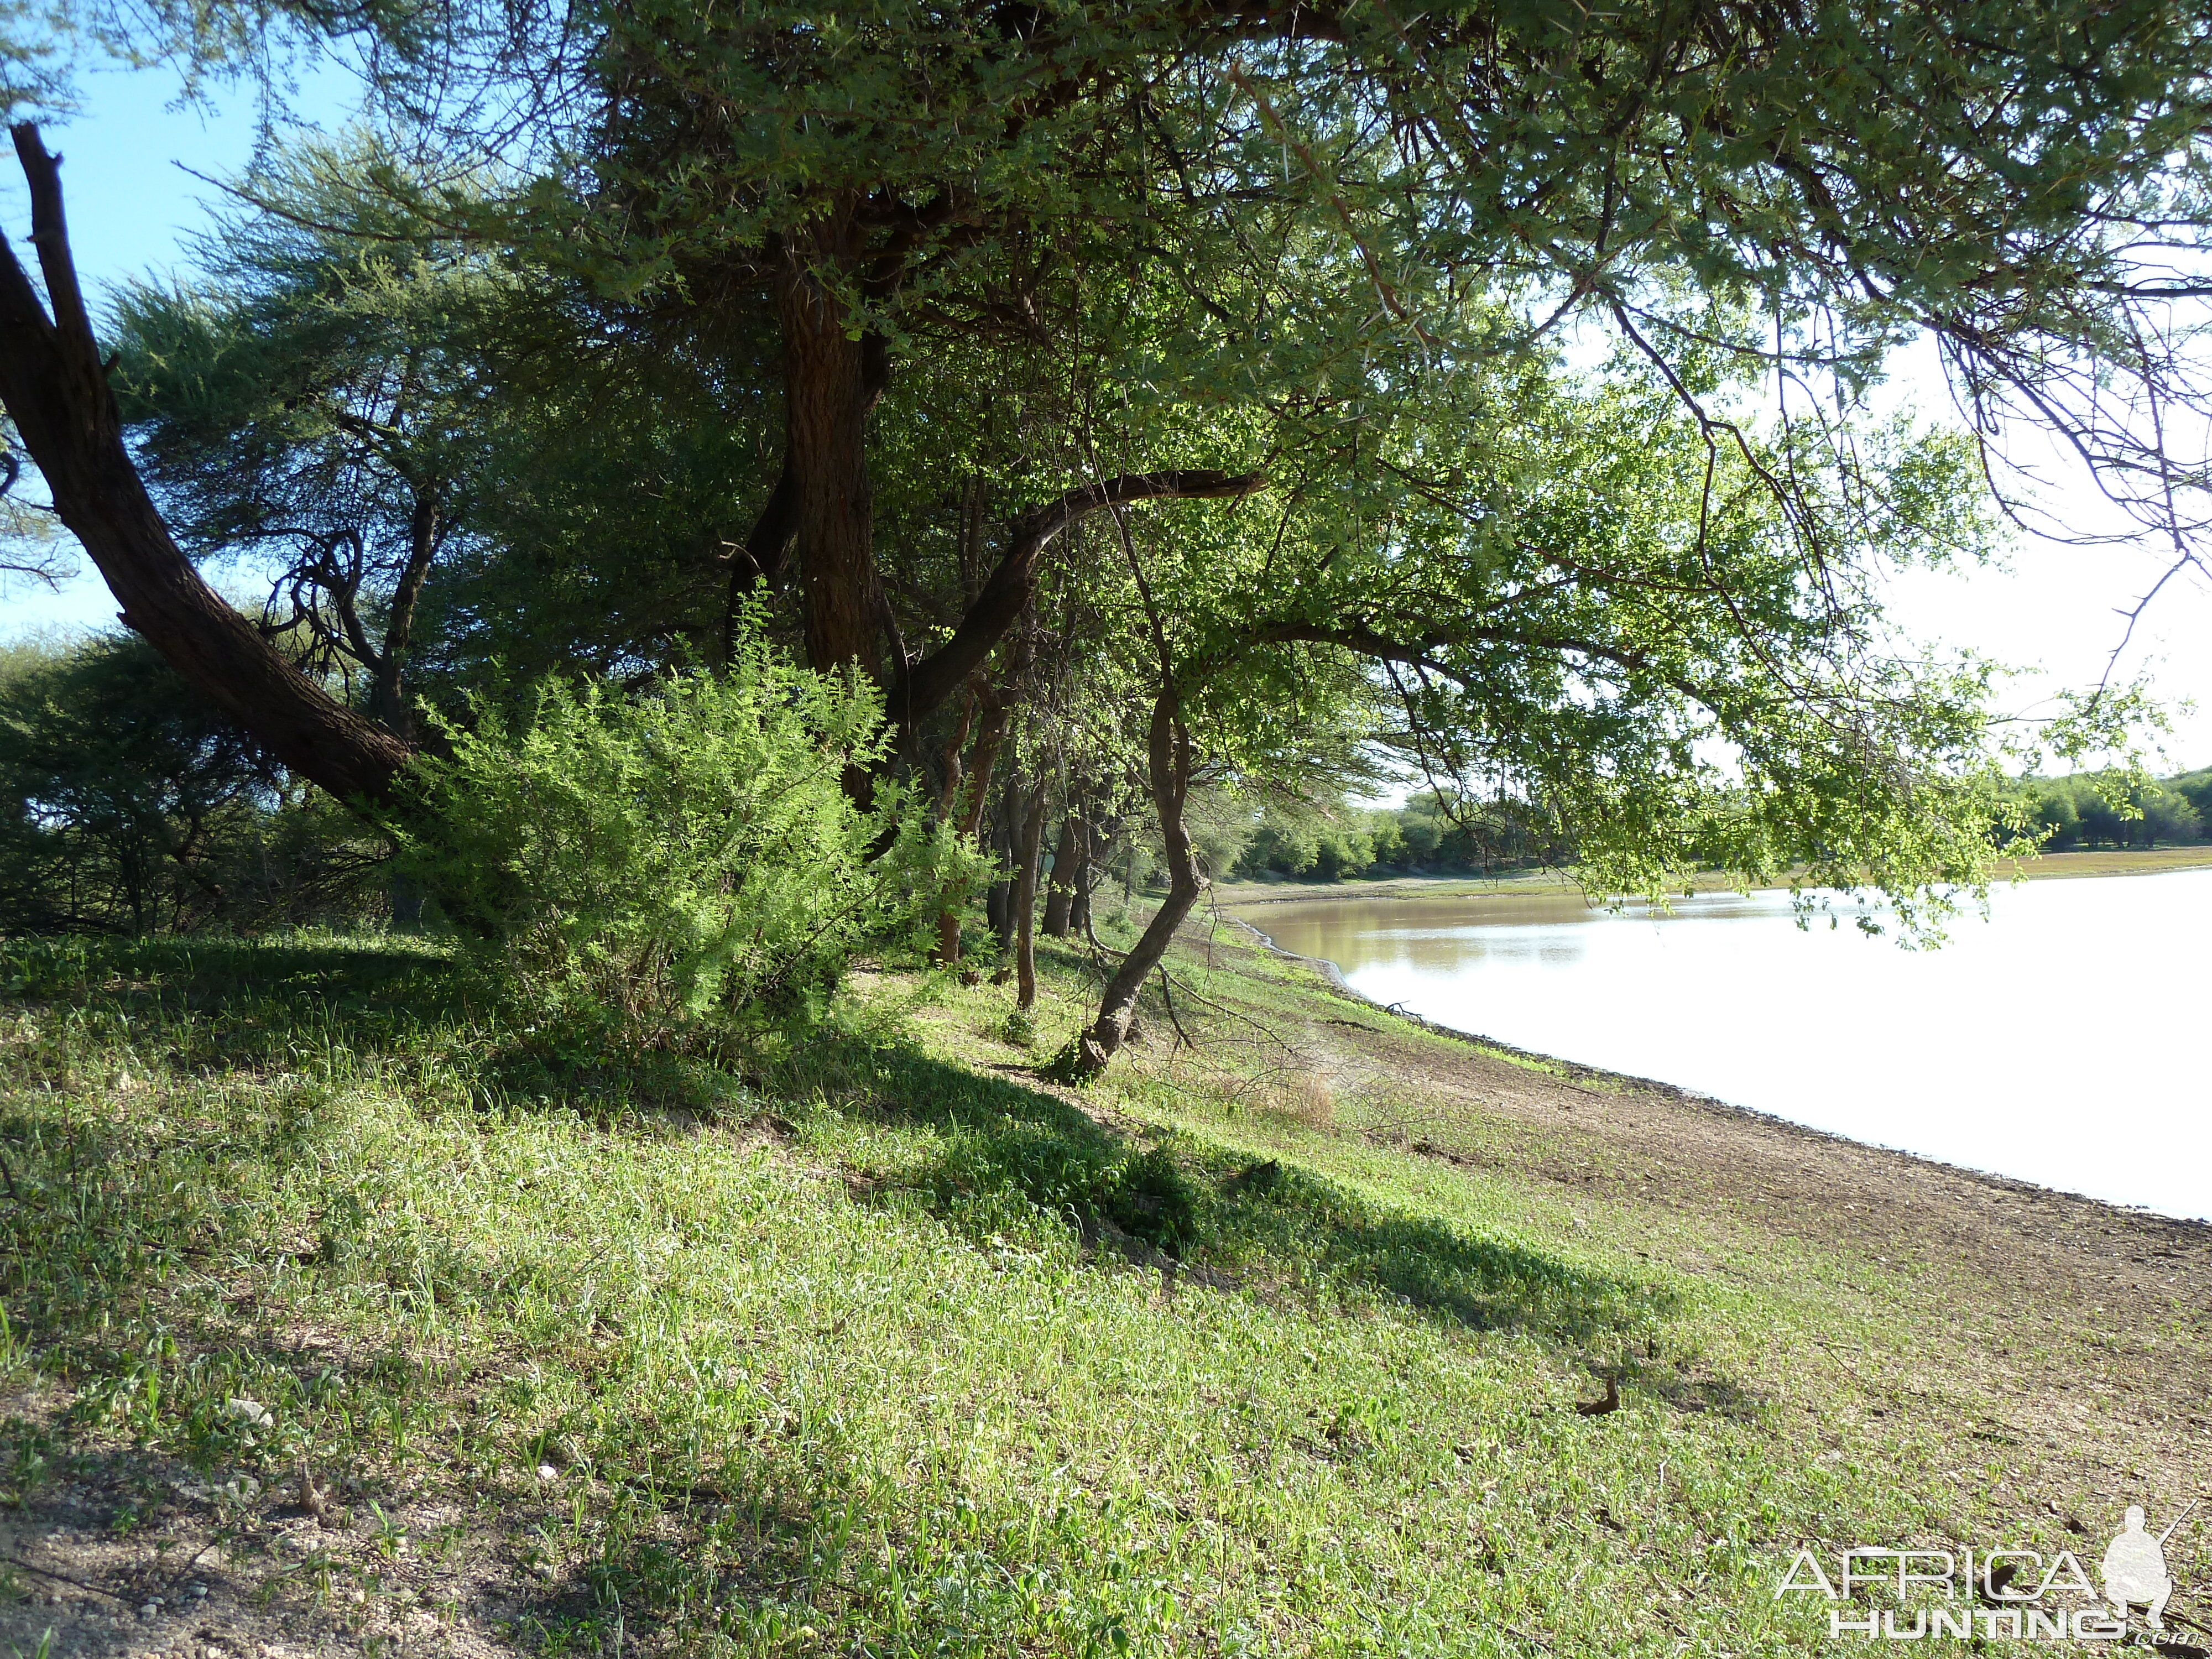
1988	1593
2134	1567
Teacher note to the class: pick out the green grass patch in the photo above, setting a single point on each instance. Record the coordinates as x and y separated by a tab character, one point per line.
879	1346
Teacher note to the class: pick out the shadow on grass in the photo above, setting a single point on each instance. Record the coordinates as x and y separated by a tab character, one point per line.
988	1141
107	1242
1203	1207
366	974
755	1539
749	1538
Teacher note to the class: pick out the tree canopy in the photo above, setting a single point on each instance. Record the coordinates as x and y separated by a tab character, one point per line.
1148	400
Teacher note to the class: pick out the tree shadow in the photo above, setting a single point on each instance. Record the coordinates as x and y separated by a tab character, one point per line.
1201	1213
754	1540
364	975
1685	1390
753	1536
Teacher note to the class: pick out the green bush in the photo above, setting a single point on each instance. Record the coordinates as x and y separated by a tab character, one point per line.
128	804
667	869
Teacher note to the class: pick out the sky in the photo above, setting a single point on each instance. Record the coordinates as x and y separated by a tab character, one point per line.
2053	609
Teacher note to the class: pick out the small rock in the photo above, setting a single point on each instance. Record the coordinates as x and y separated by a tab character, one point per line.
252	1413
148	1611
547	1472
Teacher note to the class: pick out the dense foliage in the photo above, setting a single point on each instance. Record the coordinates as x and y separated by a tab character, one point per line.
128	805
665	868
1156	410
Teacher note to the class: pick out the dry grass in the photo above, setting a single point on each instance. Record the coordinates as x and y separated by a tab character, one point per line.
1306	1099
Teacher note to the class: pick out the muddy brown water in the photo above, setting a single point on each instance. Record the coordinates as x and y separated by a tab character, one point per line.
2061	1042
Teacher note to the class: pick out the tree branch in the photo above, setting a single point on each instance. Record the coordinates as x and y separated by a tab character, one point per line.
921	689
55	389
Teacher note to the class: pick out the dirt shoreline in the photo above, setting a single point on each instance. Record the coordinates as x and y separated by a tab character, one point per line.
1576	1069
1986	1269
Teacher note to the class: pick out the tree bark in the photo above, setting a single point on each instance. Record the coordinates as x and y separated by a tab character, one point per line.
1169	758
387	697
981	763
826	396
1078	912
1028	849
56	391
1060	898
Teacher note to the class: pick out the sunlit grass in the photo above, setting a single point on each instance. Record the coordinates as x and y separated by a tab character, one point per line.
883	1348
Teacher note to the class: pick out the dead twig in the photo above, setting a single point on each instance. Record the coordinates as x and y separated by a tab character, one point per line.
61	1578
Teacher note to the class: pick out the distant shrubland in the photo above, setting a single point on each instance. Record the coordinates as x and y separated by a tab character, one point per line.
1330	841
2088	812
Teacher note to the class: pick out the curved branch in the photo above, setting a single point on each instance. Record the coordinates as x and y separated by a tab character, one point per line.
55	390
923	687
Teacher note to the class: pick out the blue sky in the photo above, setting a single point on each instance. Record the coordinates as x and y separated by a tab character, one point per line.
132	206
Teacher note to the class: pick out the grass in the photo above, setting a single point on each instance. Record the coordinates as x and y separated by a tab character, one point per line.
885	1347
2117	861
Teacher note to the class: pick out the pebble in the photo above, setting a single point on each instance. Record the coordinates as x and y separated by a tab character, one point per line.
547	1472
250	1411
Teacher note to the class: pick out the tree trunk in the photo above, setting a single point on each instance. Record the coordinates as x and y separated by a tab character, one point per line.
387	698
56	391
1059	900
1078	912
981	762
1029	848
1170	749
999	903
827	395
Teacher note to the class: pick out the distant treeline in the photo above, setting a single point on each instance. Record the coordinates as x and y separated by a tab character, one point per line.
1330	841
2090	811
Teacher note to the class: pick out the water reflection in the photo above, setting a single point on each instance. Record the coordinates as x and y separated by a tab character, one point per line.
2058	1043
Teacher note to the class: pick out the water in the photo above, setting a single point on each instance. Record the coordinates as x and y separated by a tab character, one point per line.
2063	1042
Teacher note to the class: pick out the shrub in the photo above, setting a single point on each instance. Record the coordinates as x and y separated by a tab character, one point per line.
128	804
666	869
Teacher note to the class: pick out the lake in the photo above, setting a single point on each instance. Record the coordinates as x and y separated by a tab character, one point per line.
2065	1041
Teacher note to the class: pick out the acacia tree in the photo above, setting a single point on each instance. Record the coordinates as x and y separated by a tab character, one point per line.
1317	181
878	177
324	398
1579	606
445	456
